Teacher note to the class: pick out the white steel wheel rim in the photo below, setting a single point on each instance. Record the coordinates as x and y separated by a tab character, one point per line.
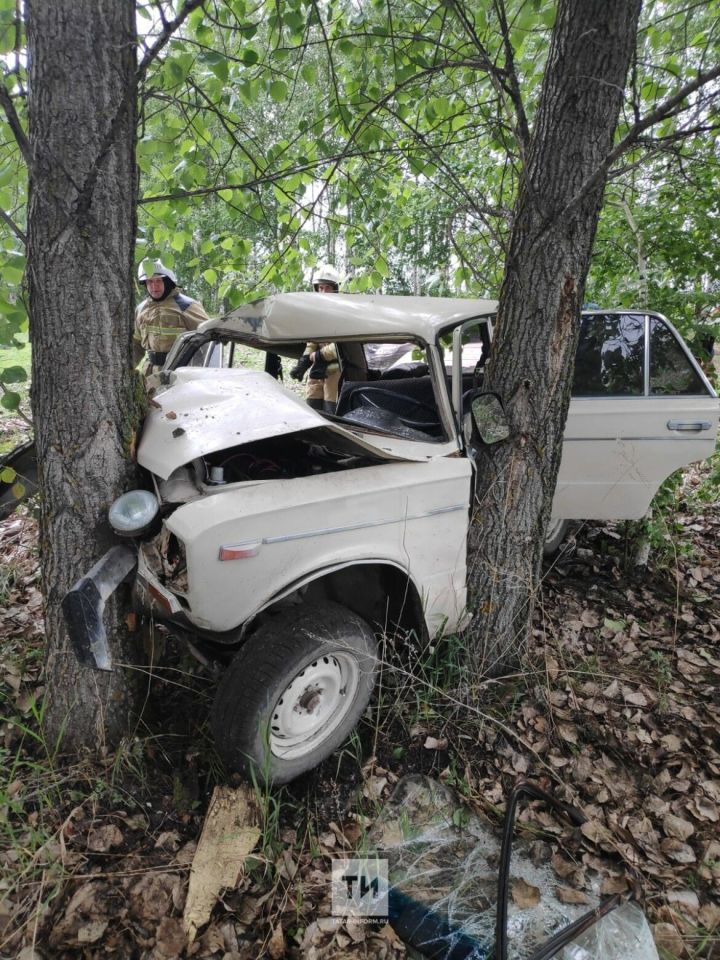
313	705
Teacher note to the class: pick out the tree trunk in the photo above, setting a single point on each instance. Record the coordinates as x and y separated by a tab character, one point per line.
81	234
537	326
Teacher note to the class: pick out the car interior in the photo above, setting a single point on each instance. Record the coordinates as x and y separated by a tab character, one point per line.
385	385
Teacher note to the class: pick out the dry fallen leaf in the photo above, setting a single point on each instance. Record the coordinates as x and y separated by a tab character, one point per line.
703	809
562	867
668	938
596	832
524	894
612	885
170	938
357	930
709	916
432	743
636	697
92	932
276	947
570	895
102	839
678	852
677	827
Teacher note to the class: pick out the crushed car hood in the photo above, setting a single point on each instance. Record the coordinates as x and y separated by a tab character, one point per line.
206	410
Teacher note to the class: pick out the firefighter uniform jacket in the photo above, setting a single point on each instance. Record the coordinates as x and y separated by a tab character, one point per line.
158	323
326	388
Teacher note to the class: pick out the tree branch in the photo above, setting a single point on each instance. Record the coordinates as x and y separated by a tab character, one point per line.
14	123
13	226
668	108
169	27
85	193
512	85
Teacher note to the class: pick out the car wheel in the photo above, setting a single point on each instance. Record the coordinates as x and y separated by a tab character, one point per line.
554	536
294	692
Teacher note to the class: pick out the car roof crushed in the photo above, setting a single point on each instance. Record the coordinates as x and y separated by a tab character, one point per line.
307	316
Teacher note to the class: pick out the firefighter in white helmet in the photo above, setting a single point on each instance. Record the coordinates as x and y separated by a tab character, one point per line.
320	360
163	316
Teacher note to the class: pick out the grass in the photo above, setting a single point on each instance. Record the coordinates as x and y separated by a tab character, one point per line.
12	428
17	356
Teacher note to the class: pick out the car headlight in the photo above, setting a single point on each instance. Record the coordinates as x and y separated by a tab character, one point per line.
133	512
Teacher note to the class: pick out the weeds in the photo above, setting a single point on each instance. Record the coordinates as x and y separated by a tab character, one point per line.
8	580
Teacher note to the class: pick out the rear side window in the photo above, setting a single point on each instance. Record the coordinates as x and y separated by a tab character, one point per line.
610	356
671	370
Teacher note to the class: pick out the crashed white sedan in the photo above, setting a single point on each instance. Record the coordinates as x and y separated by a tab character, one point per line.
280	541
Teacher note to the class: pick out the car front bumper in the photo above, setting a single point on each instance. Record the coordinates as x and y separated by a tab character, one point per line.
84	604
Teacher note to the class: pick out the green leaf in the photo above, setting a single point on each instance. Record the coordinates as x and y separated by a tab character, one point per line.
250	56
308	73
13	375
210	277
381	266
10	400
7	475
278	91
294	19
220	69
225	195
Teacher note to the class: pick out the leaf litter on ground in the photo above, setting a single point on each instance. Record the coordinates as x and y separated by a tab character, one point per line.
616	711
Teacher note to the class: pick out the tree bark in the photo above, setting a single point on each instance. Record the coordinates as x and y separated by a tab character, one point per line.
81	235
537	325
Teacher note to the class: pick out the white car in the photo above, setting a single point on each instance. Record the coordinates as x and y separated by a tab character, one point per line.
279	540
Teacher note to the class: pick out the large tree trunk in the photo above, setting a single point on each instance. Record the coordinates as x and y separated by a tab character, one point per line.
81	233
537	328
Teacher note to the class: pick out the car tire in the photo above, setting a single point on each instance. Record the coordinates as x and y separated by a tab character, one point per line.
554	536
294	692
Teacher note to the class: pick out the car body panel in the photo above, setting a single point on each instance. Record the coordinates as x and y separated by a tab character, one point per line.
204	410
618	450
412	515
306	316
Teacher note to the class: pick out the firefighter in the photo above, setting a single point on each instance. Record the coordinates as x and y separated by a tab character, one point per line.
162	317
320	360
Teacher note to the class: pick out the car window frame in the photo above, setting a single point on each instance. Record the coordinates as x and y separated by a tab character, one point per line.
689	355
647	316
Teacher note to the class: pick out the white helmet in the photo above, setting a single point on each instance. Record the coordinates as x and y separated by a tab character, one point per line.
326	274
155	268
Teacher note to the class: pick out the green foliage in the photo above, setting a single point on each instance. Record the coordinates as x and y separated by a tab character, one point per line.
273	137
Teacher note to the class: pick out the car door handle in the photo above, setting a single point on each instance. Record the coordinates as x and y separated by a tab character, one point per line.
689	426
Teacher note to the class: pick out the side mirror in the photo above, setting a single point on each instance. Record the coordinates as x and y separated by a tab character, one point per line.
489	419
